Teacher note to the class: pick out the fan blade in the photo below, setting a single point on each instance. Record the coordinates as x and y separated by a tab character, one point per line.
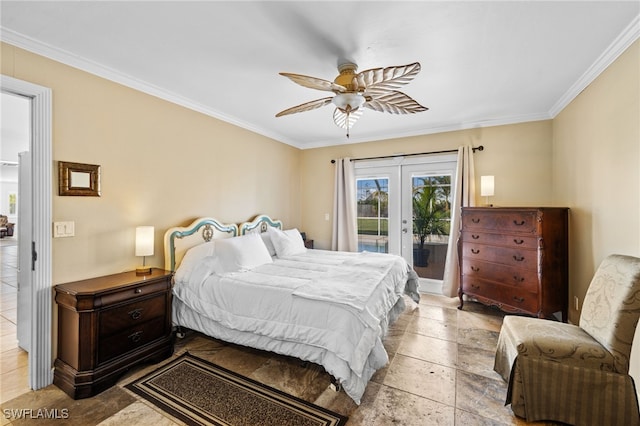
389	78
308	106
340	117
314	83
393	102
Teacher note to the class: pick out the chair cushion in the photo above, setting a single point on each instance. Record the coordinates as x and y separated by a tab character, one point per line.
552	341
611	307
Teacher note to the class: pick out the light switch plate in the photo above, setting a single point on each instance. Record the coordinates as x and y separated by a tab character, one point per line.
64	229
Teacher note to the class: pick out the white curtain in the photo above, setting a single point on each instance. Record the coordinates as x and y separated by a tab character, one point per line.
465	196
345	225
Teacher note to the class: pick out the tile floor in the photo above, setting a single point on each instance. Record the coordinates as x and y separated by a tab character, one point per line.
440	372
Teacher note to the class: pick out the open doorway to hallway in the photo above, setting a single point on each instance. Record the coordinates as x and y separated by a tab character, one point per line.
16	137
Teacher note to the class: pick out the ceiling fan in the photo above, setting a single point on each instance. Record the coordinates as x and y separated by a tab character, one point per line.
374	89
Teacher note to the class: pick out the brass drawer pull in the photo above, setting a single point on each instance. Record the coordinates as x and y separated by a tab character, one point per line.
475	286
135	337
518	258
135	314
518	279
518	241
518	299
475	220
137	291
475	251
522	222
475	237
475	268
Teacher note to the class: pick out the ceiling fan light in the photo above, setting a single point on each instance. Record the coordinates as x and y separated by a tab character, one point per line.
353	100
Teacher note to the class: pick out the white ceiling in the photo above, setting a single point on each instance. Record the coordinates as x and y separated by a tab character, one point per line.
483	63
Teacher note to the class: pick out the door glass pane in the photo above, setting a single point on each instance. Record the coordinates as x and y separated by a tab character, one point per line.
431	212
373	214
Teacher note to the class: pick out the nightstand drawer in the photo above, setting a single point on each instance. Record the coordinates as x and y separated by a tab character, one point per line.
131	314
134	291
130	339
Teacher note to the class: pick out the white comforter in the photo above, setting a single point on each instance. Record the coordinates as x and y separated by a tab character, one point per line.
331	308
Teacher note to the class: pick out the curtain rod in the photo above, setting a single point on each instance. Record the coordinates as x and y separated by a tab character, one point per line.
448	151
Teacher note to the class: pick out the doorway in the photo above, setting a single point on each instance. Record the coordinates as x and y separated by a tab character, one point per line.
404	208
39	262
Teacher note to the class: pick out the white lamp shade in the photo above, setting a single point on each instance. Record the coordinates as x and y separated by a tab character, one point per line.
144	241
486	186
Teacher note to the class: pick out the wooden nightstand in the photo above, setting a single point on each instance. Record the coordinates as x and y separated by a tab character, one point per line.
108	324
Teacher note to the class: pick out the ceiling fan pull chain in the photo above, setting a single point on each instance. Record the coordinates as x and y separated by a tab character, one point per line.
348	109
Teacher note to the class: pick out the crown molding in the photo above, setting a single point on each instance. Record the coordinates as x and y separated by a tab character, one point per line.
95	68
628	36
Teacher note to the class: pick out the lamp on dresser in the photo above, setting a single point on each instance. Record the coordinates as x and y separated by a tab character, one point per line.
487	188
144	247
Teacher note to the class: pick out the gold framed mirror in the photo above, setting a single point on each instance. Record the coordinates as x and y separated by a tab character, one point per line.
78	179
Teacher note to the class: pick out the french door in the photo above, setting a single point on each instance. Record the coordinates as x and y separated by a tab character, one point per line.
404	208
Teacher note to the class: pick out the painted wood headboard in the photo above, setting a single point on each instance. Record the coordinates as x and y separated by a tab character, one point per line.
178	240
259	224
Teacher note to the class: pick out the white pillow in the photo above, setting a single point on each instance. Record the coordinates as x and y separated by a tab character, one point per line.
191	258
266	238
242	253
287	243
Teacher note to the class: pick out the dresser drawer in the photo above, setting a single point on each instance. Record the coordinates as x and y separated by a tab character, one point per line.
500	294
519	278
519	258
134	291
131	314
523	222
513	241
130	339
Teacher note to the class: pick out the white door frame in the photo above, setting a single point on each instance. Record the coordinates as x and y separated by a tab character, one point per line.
40	354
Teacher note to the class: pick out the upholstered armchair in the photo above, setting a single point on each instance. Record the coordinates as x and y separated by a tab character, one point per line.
577	374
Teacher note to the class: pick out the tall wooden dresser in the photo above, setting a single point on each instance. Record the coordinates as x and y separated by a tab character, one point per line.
515	258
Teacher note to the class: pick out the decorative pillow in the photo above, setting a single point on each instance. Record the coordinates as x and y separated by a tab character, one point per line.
191	258
242	253
287	243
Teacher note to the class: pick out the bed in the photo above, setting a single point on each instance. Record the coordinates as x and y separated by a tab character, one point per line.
256	285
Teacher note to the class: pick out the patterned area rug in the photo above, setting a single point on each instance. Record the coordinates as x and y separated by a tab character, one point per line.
199	392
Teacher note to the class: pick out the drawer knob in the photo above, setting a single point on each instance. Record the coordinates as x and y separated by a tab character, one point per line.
518	258
475	220
518	299
135	337
135	314
137	291
518	241
475	286
475	268
518	279
475	237
476	251
519	223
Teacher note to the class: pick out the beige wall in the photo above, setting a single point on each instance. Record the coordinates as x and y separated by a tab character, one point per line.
517	155
161	165
596	172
